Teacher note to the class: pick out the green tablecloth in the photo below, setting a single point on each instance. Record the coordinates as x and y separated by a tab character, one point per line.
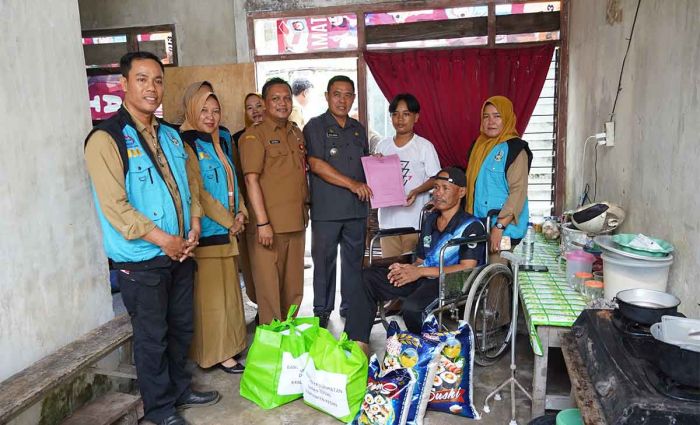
546	298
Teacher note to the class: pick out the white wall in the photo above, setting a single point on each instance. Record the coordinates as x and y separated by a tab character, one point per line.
652	170
205	29
53	280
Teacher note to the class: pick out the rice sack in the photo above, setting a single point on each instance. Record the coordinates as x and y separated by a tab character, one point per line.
420	356
388	397
452	384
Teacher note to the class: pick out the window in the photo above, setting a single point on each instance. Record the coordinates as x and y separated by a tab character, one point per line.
104	48
294	46
541	135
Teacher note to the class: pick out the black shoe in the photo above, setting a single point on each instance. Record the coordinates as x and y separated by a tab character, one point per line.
323	319
174	419
198	399
235	369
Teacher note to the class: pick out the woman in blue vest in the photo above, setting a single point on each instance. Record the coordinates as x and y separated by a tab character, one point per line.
497	170
219	320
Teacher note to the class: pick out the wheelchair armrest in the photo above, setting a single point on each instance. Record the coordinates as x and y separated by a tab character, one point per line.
467	240
493	212
396	231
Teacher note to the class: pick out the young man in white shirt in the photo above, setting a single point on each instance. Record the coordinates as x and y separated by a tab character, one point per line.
419	162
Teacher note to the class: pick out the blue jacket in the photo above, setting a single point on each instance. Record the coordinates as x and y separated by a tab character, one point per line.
214	180
491	189
146	190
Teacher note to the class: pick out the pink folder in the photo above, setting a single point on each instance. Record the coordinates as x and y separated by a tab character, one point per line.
385	178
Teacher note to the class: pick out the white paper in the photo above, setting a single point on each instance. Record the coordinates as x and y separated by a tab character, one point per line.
290	376
644	243
325	390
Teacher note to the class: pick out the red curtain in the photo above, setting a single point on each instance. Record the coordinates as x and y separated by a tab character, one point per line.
451	86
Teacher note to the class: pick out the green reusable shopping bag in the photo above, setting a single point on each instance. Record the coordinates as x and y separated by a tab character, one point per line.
335	378
279	352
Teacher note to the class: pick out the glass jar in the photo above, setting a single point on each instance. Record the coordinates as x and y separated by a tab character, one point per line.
593	290
579	279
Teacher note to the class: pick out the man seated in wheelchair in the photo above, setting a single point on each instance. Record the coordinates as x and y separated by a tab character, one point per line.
417	283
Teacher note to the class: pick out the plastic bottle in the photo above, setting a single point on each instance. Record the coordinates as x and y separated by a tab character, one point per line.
529	243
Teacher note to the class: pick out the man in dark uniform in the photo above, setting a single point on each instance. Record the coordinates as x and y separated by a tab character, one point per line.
339	195
149	213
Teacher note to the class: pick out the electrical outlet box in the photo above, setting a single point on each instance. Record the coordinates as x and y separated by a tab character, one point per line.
610	133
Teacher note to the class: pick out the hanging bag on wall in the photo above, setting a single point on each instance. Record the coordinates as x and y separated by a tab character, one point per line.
276	360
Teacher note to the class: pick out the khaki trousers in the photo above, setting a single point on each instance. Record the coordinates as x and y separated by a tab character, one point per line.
394	246
278	273
245	261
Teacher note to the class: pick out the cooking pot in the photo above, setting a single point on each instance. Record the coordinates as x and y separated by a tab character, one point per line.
680	364
646	306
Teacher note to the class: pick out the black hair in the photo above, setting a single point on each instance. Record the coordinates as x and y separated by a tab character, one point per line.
411	103
127	59
299	85
272	82
341	78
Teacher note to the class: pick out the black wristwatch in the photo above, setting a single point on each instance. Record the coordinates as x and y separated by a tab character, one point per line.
500	226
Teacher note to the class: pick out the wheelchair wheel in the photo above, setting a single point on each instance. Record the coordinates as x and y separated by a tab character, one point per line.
488	312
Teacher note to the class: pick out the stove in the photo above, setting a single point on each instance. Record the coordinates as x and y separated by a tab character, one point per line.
620	359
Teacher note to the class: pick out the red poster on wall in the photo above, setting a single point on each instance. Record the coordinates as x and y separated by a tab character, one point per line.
106	96
298	35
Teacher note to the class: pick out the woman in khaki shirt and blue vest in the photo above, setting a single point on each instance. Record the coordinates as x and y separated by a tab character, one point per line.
219	321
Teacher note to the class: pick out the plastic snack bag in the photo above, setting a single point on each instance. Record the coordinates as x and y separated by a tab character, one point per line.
452	386
420	356
388	397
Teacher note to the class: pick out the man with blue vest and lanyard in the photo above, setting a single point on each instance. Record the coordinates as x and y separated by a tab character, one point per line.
149	214
418	283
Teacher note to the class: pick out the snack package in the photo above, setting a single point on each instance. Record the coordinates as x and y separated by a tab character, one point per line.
388	397
420	356
452	386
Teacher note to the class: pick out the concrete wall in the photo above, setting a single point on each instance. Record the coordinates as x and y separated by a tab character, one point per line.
652	170
205	30
53	279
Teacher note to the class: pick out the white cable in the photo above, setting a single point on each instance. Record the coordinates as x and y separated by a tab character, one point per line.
583	164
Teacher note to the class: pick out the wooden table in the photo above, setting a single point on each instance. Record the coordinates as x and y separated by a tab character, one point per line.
550	307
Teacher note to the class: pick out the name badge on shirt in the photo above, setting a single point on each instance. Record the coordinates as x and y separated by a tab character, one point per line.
332	135
274	142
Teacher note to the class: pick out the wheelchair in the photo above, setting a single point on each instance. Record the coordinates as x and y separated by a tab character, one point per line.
481	296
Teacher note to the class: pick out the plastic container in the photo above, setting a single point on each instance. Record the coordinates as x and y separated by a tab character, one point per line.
577	261
569	417
593	290
580	278
598	275
628	273
573	239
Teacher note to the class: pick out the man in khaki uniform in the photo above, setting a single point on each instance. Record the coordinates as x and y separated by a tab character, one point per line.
149	212
273	161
